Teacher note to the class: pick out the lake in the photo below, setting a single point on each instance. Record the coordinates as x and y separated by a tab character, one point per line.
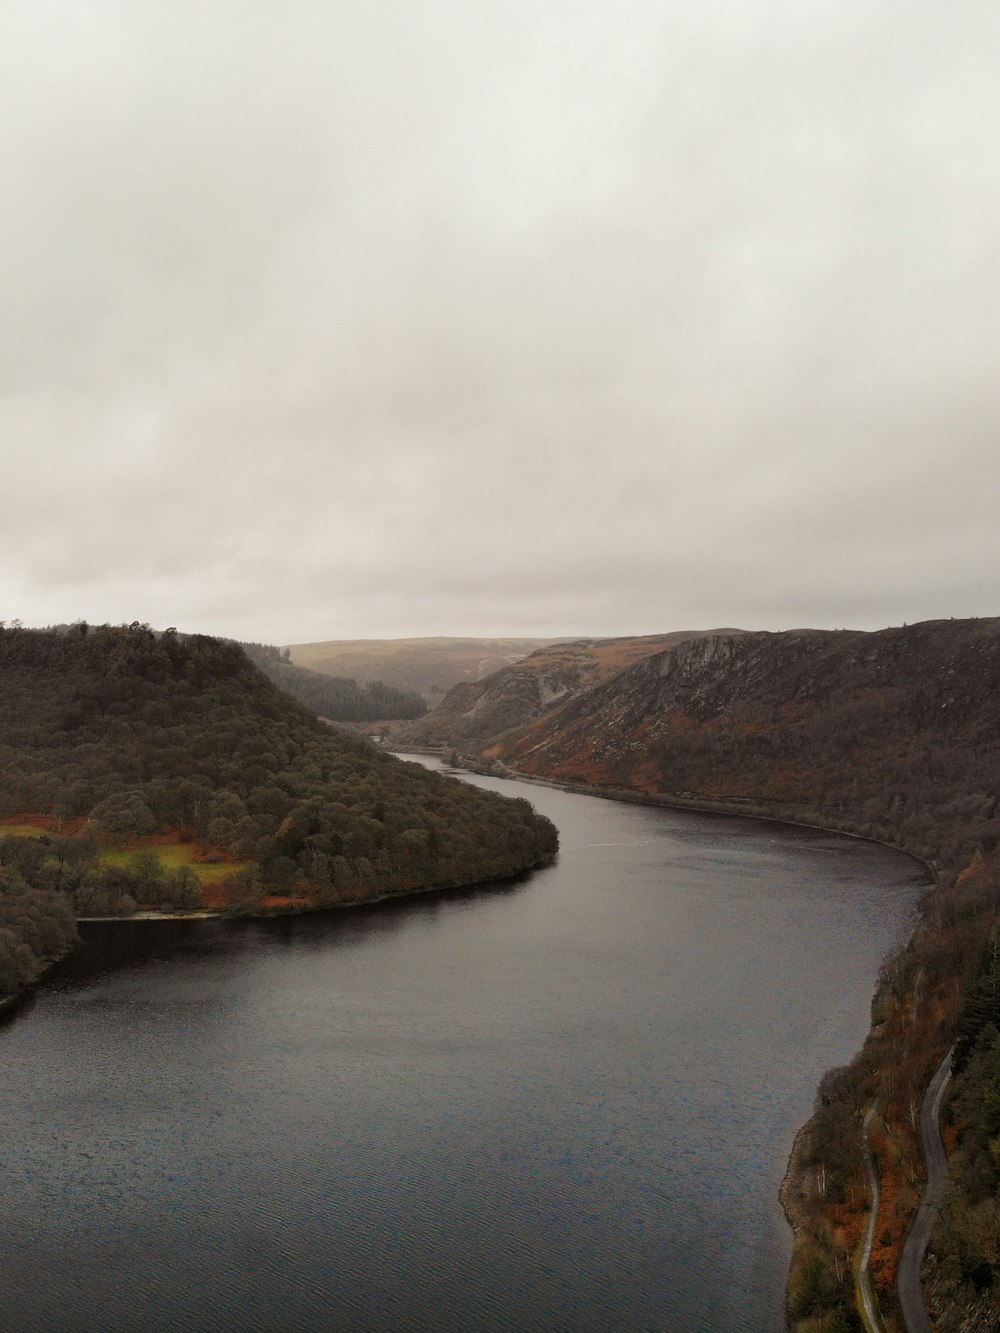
565	1103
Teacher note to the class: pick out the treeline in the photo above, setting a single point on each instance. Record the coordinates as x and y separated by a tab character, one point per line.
335	697
36	920
71	867
966	1245
967	1242
135	733
47	881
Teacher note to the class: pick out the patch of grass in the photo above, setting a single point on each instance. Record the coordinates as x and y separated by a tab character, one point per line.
173	855
214	875
20	831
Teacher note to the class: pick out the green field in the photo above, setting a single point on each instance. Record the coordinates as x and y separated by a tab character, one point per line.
173	855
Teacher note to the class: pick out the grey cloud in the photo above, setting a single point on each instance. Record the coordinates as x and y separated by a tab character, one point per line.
378	319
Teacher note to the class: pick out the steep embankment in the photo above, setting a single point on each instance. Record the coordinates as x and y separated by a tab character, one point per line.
118	737
429	666
474	714
893	735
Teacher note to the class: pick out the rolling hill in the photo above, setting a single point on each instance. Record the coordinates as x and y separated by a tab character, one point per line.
336	698
429	666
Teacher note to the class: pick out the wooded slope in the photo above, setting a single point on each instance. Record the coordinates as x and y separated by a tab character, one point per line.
338	698
128	734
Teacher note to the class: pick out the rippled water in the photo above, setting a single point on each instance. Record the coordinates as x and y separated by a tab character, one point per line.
564	1104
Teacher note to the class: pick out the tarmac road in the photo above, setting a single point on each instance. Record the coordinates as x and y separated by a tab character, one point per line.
911	1297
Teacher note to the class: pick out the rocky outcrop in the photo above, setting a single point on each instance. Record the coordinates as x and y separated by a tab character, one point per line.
894	734
475	714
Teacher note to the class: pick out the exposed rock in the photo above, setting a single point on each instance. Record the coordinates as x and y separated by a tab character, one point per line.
474	714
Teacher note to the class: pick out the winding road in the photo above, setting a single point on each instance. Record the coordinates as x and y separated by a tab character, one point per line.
911	1297
865	1292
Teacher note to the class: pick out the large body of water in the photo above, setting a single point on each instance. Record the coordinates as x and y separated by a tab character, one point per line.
565	1104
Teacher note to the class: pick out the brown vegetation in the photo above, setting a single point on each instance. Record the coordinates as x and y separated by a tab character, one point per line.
477	715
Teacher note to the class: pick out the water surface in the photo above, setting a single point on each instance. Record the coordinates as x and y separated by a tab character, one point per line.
562	1104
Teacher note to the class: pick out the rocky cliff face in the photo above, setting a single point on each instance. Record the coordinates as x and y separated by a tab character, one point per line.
888	733
474	714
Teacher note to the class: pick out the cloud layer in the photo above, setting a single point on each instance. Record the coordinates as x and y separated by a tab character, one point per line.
383	318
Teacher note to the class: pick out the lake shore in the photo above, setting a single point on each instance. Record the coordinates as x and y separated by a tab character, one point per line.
695	805
795	1186
9	1004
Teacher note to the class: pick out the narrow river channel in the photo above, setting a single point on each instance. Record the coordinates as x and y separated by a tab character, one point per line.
564	1104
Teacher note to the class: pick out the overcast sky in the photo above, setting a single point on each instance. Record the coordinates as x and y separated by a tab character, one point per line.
340	318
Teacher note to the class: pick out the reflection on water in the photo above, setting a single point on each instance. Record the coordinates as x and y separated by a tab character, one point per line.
561	1104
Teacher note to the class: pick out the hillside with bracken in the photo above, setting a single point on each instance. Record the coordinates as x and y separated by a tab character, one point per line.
894	734
474	714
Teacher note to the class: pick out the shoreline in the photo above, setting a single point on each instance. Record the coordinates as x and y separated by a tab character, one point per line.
9	1004
791	1193
789	1200
793	1187
692	805
279	913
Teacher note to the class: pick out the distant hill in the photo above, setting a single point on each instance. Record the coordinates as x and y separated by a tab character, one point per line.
337	698
473	714
118	737
428	666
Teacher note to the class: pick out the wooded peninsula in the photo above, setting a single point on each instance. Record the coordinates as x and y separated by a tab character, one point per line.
155	770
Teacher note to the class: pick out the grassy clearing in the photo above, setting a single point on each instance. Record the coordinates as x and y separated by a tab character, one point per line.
12	830
174	855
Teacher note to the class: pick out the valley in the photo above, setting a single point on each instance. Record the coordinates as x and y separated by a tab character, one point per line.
153	775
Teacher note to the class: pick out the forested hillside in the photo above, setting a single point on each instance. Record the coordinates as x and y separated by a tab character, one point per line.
36	920
475	712
894	735
338	698
116	735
